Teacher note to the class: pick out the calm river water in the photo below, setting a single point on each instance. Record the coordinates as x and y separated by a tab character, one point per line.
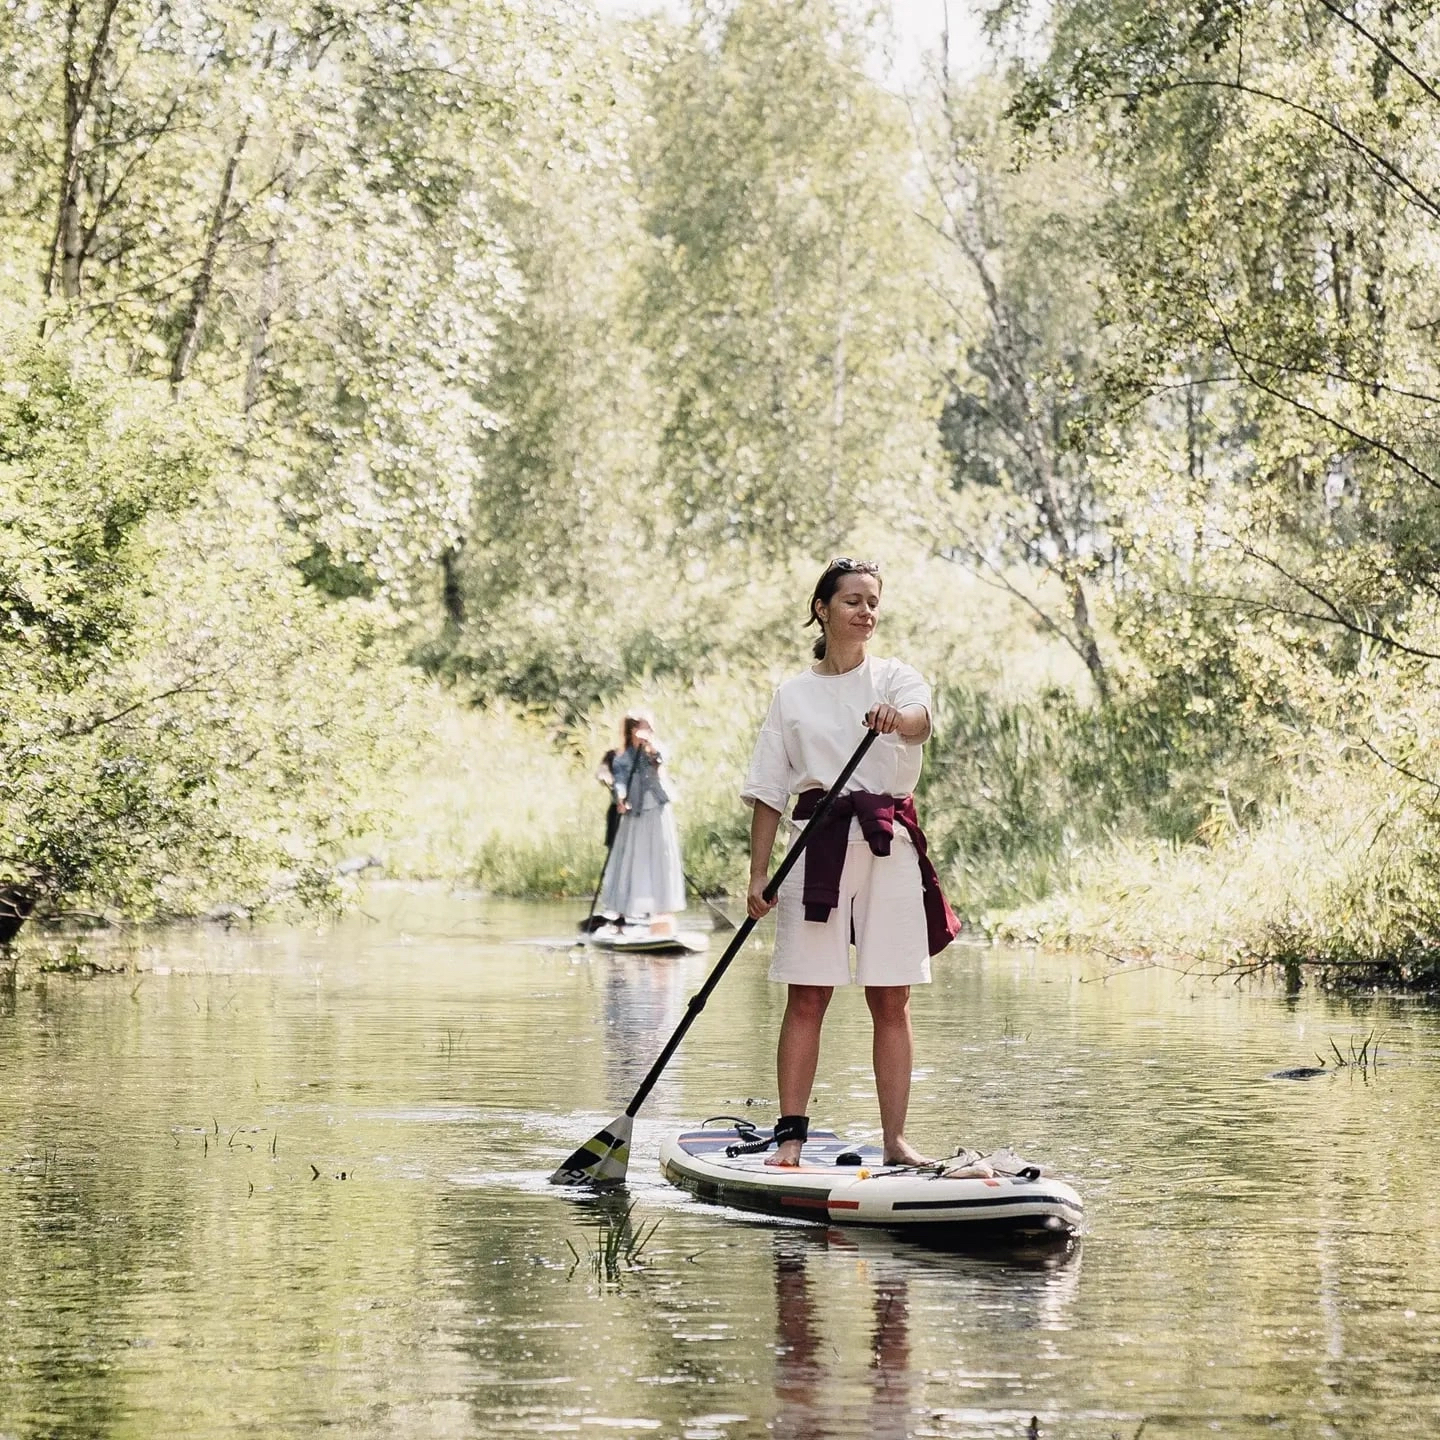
291	1182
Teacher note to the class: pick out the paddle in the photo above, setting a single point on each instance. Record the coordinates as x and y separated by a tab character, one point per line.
604	1157
590	924
722	920
592	921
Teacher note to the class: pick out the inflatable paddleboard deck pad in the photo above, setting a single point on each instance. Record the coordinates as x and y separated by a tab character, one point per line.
969	1199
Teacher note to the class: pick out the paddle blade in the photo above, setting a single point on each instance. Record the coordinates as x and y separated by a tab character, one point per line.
601	1160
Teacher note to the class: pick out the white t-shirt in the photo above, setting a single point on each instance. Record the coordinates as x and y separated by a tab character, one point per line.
816	721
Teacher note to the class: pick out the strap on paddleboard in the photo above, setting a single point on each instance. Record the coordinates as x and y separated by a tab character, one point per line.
787	1127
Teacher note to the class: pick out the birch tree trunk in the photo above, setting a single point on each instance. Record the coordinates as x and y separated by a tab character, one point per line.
189	341
270	285
68	241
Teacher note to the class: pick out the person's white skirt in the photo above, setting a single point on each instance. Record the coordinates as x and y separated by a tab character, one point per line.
644	876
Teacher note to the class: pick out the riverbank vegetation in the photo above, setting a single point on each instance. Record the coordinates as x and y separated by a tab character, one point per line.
390	397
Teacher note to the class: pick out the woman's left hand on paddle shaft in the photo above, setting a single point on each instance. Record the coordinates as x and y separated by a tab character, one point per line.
911	723
884	718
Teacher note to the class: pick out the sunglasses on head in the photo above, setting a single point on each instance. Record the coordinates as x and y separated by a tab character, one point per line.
848	566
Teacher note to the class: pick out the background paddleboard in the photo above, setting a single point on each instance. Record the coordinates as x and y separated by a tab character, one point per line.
638	942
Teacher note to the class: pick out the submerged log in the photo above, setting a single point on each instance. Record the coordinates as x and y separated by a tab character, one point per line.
16	902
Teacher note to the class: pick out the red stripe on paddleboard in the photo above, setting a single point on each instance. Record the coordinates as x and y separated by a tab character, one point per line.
808	1202
843	1204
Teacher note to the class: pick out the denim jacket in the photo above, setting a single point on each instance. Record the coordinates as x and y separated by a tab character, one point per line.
638	780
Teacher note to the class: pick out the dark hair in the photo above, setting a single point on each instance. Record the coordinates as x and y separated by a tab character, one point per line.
631	724
829	583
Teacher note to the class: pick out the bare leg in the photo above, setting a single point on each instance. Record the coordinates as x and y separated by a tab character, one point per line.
798	1057
894	1053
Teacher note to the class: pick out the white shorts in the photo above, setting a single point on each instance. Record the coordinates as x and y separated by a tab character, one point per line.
882	896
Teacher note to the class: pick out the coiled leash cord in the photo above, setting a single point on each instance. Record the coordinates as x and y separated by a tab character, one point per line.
787	1127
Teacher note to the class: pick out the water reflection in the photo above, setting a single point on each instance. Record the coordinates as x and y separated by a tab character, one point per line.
820	1389
643	999
809	1387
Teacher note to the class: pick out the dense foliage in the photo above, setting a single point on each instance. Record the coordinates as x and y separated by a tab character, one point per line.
182	717
1269	283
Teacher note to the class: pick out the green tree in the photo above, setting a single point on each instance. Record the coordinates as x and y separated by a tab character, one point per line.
568	463
1020	281
782	297
296	206
182	717
1277	203
1271	460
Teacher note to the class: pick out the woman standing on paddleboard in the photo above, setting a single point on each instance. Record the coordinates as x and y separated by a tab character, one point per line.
865	879
644	878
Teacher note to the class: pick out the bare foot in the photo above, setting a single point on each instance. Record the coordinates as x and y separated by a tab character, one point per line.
787	1154
902	1152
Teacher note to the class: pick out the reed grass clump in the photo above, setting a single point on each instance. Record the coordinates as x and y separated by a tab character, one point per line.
1022	792
618	1248
1338	879
1365	1058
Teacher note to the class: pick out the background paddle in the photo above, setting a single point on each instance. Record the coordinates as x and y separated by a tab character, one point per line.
722	920
593	921
604	1158
590	922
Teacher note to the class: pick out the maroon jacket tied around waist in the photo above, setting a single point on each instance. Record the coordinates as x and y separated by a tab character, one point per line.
877	814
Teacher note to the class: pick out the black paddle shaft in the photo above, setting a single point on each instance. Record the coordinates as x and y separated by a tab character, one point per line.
697	1001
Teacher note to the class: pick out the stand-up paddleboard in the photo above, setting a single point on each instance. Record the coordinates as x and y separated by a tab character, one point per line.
841	1184
637	940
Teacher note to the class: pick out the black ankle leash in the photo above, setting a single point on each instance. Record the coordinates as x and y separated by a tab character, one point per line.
787	1127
